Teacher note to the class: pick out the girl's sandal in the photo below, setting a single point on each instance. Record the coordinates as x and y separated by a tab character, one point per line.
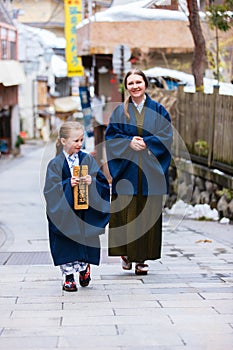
125	263
85	277
141	269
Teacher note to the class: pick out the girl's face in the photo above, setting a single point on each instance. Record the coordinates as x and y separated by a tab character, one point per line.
136	87
74	142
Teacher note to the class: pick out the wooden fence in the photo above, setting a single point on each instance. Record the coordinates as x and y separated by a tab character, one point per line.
205	124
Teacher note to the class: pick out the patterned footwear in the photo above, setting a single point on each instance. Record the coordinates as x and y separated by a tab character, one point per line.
84	276
70	284
125	263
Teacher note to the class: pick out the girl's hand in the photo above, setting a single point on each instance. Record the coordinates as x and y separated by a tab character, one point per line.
86	179
137	143
78	180
74	181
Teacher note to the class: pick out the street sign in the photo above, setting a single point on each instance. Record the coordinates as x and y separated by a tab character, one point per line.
119	49
119	68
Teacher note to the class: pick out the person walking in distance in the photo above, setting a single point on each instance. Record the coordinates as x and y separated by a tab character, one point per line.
74	233
97	106
138	148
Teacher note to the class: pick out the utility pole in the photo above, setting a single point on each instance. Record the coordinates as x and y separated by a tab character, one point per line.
122	70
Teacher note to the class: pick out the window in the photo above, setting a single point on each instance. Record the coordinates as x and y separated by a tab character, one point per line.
7	44
12	50
4	50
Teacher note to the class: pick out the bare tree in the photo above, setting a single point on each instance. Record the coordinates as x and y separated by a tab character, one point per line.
199	56
219	17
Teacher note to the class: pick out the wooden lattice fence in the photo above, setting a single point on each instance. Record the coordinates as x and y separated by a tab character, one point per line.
205	124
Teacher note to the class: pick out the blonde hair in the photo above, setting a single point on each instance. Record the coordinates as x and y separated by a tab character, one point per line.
64	133
130	72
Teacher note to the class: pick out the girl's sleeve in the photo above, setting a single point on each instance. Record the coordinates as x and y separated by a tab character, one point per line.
59	200
98	212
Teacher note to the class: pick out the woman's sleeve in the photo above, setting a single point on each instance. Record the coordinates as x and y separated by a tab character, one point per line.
118	137
159	143
117	141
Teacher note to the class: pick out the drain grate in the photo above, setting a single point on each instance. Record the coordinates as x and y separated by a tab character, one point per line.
4	257
25	258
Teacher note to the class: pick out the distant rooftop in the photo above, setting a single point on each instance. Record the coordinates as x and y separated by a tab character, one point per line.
4	15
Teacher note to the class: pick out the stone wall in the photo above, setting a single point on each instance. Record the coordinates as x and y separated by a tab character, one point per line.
193	185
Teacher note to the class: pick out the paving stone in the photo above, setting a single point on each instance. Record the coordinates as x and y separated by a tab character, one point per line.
125	297
160	347
77	313
208	340
85	305
30	322
216	284
94	330
126	339
183	303
178	296
189	311
111	320
176	291
145	311
27	342
33	307
216	296
207	324
118	280
221	306
6	300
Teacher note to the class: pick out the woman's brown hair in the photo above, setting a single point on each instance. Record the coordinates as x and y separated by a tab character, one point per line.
130	72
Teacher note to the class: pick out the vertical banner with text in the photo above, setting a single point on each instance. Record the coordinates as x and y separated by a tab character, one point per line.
73	15
86	109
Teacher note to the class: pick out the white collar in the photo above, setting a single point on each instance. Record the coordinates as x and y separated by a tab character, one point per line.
140	105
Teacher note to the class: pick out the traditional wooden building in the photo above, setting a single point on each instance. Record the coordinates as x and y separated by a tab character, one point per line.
11	76
147	31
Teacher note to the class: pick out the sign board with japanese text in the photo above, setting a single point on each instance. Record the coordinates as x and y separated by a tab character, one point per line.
42	91
80	190
73	15
86	109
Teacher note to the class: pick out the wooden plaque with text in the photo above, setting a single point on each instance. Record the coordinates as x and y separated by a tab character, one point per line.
80	190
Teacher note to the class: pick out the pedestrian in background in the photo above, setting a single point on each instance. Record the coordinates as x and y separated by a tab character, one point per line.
97	106
138	146
74	234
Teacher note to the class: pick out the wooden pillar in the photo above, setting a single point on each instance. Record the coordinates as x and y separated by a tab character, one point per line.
212	127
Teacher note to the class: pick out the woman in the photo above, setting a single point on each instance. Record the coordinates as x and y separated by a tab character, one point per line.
138	146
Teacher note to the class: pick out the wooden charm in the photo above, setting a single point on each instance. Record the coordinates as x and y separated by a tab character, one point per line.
80	190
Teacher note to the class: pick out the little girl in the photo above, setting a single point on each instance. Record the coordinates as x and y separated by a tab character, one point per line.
74	234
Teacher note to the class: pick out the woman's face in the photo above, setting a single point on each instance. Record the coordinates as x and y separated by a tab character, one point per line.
74	142
136	87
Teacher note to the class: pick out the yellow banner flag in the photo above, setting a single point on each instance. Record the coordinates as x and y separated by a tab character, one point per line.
73	15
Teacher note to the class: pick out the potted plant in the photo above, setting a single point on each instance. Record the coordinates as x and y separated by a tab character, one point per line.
19	141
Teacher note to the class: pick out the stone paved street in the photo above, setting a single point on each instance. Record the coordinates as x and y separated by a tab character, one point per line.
184	303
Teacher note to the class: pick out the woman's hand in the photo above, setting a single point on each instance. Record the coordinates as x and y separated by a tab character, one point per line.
78	180
137	143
